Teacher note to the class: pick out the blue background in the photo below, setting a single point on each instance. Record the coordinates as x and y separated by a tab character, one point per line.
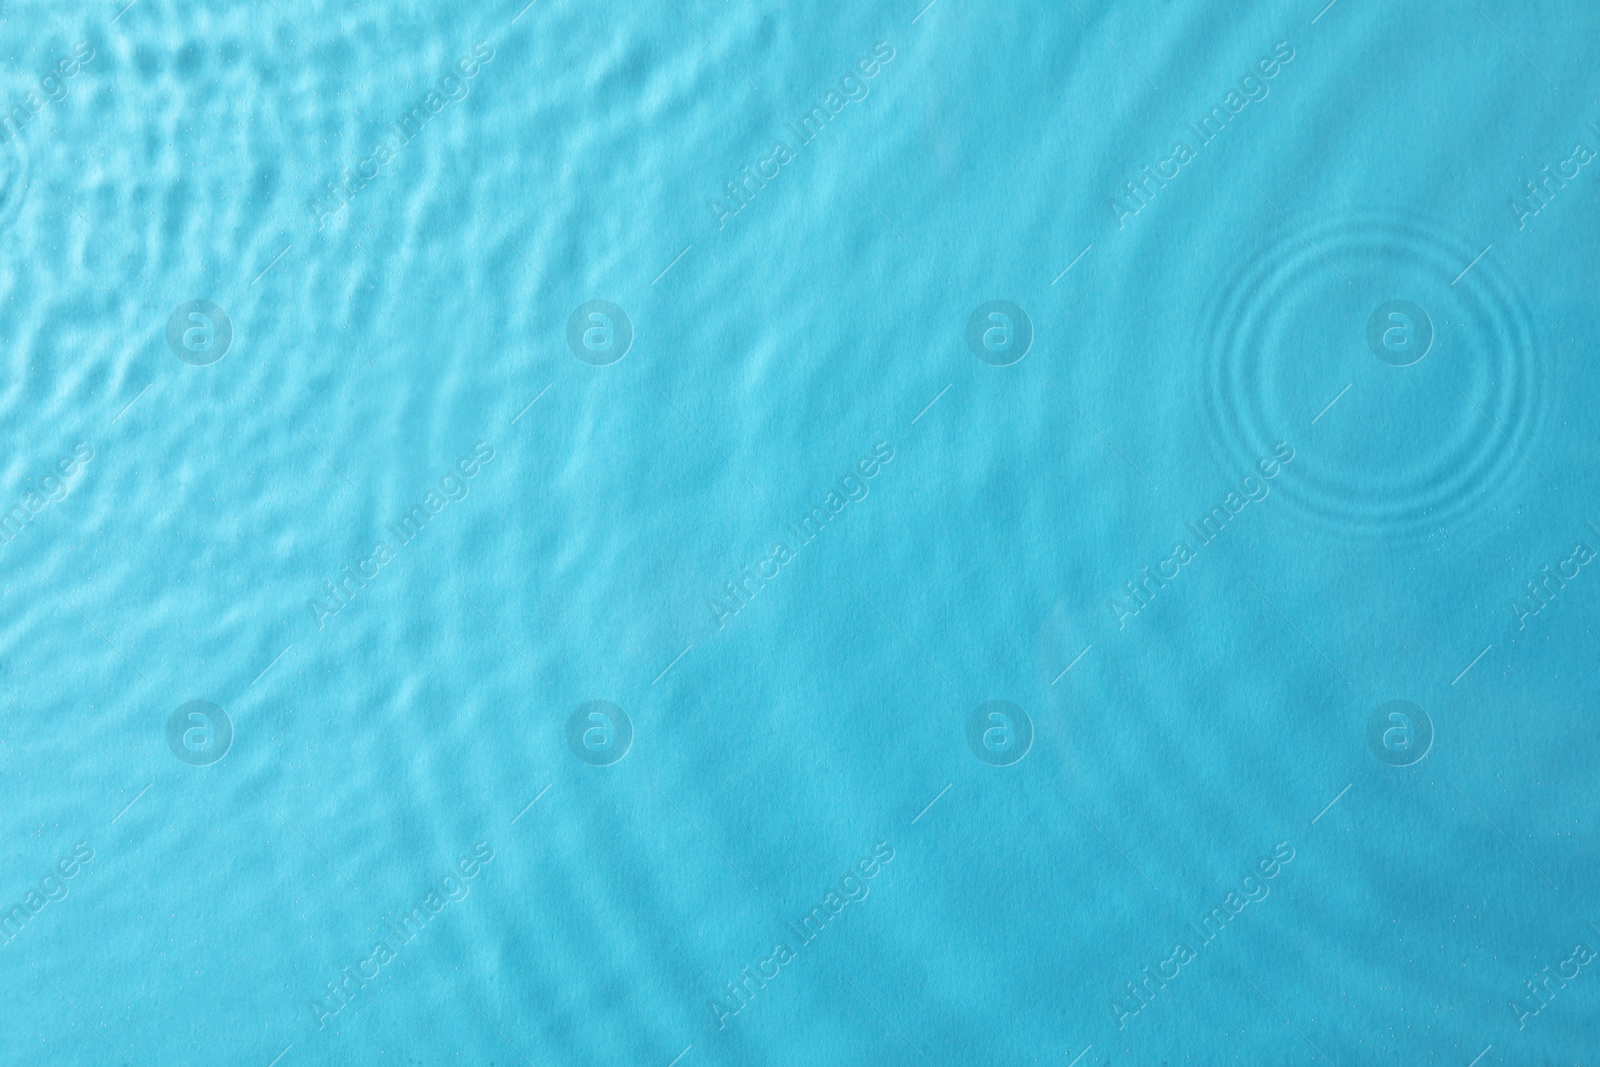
773	348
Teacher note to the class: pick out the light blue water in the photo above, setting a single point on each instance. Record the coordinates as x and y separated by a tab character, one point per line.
690	533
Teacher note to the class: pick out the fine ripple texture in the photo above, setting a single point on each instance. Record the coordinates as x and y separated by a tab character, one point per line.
675	533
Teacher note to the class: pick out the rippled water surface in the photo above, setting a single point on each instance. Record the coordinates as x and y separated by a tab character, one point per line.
688	533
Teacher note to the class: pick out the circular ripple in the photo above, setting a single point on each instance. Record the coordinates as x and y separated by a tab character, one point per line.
1410	449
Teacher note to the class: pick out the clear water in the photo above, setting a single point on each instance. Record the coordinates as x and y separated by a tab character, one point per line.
690	533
